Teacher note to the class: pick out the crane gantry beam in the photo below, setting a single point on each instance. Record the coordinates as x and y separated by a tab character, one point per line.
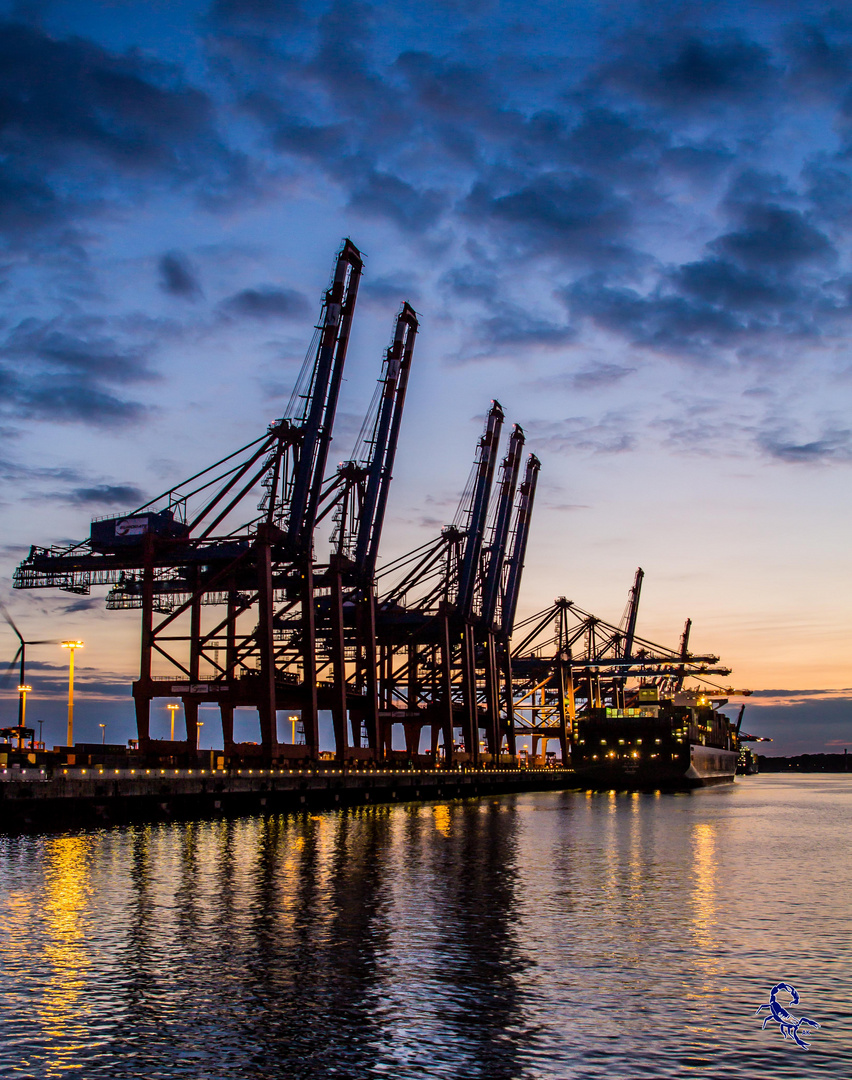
238	611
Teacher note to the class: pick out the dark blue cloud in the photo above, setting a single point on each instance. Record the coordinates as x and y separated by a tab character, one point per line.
83	603
574	216
829	191
729	67
613	433
81	347
801	727
771	274
600	376
506	156
390	289
696	71
68	400
107	495
477	279
18	473
255	14
326	144
512	328
817	64
385	195
699	163
27	203
344	62
72	92
70	370
832	446
178	277
668	323
605	138
776	237
267	302
69	107
452	95
719	282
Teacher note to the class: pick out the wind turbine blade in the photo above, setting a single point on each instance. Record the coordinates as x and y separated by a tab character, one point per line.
52	642
9	620
6	678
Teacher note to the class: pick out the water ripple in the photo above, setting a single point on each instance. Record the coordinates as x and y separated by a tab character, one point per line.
542	936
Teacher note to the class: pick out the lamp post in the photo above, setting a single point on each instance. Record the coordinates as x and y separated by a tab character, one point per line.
172	709
293	721
22	690
71	646
198	740
103	734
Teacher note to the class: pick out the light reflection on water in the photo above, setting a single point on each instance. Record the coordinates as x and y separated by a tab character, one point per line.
64	956
558	936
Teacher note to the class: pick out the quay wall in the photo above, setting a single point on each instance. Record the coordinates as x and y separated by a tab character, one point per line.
33	799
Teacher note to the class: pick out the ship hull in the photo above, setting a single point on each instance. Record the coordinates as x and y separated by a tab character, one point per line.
705	766
711	765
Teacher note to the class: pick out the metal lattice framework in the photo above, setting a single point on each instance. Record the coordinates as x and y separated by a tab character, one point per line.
569	661
236	611
446	610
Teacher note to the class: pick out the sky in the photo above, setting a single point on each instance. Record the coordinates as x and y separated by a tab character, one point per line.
627	222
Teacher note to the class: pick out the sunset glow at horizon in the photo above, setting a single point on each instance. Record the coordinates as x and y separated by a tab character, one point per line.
628	223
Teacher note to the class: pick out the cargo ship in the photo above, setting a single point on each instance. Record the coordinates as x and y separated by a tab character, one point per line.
748	763
678	743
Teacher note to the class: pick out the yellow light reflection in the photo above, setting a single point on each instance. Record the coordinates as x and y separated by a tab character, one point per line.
704	893
64	1008
441	818
704	923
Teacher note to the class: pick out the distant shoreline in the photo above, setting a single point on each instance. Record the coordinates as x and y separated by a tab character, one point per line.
833	763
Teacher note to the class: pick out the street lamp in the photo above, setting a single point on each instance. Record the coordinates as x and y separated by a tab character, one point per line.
22	690
71	646
103	734
198	740
293	721
172	709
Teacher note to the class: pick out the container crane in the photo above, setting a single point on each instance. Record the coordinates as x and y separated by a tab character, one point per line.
512	572
384	442
441	641
495	554
321	400
569	660
684	654
475	530
179	553
358	494
520	536
496	548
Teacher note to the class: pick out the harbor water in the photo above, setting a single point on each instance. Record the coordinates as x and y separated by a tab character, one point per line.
558	935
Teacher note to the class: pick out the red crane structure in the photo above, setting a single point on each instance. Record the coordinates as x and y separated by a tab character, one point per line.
569	661
446	617
237	612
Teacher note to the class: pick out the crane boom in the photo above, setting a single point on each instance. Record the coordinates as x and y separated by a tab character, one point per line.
684	653
515	562
338	308
509	472
385	439
478	508
633	613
